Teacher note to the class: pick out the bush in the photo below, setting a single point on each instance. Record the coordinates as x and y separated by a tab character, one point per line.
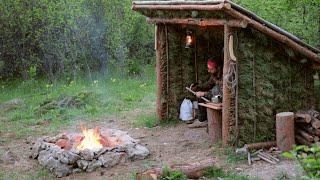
308	157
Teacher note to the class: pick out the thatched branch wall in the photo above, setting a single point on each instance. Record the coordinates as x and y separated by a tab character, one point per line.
272	79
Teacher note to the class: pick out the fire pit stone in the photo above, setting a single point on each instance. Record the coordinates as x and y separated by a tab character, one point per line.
61	156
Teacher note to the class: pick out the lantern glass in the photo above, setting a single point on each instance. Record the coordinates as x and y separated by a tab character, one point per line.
189	39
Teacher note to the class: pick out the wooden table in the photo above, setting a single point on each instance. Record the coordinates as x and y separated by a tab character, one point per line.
214	115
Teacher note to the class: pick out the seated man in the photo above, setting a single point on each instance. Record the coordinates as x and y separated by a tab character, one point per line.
209	89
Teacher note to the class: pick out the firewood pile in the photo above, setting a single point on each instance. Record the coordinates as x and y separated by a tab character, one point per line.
270	156
307	127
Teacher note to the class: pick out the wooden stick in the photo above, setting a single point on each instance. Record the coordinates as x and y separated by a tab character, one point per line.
249	158
266	159
282	38
199	22
270	156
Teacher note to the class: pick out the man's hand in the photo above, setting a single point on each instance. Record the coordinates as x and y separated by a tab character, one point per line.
199	94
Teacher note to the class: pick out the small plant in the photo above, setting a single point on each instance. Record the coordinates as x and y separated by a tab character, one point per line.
168	174
308	157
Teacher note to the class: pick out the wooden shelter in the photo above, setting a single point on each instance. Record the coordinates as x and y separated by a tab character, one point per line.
266	70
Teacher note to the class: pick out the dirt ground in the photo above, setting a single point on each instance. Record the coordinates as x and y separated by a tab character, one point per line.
174	144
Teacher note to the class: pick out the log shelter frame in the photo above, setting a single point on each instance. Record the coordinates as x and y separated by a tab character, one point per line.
241	18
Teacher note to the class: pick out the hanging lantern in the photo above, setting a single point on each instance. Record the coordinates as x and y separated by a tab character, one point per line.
189	39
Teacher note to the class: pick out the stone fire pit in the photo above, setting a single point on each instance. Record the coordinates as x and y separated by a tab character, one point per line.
61	155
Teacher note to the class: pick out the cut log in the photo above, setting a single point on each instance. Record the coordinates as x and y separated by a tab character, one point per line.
192	171
285	130
302	141
314	113
315	123
258	145
305	135
310	130
299	117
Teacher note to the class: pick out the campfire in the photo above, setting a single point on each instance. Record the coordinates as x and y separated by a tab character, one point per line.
71	152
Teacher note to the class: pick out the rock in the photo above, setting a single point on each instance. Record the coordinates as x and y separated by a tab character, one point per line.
137	152
11	105
68	157
82	164
93	165
87	154
10	158
56	138
76	170
110	159
64	144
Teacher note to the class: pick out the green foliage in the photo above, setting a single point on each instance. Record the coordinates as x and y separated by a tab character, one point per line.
67	38
308	157
300	17
168	174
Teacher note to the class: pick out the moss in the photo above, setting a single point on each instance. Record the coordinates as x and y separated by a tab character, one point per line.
270	81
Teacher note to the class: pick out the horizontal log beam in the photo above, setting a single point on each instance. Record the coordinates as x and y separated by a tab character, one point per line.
316	66
203	2
200	22
183	7
282	38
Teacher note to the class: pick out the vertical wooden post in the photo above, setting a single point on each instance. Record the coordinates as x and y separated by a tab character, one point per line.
214	125
161	68
285	130
226	100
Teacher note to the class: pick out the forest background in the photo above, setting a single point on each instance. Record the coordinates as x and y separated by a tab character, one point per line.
60	39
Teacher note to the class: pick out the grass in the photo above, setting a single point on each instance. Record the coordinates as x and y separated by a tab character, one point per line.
111	96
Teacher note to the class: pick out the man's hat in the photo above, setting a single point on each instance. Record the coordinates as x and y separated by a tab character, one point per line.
211	64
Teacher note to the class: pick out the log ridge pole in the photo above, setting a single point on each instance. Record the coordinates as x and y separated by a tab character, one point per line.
180	7
199	22
226	100
282	38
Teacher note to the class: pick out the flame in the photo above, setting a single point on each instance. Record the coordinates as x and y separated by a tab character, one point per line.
92	139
